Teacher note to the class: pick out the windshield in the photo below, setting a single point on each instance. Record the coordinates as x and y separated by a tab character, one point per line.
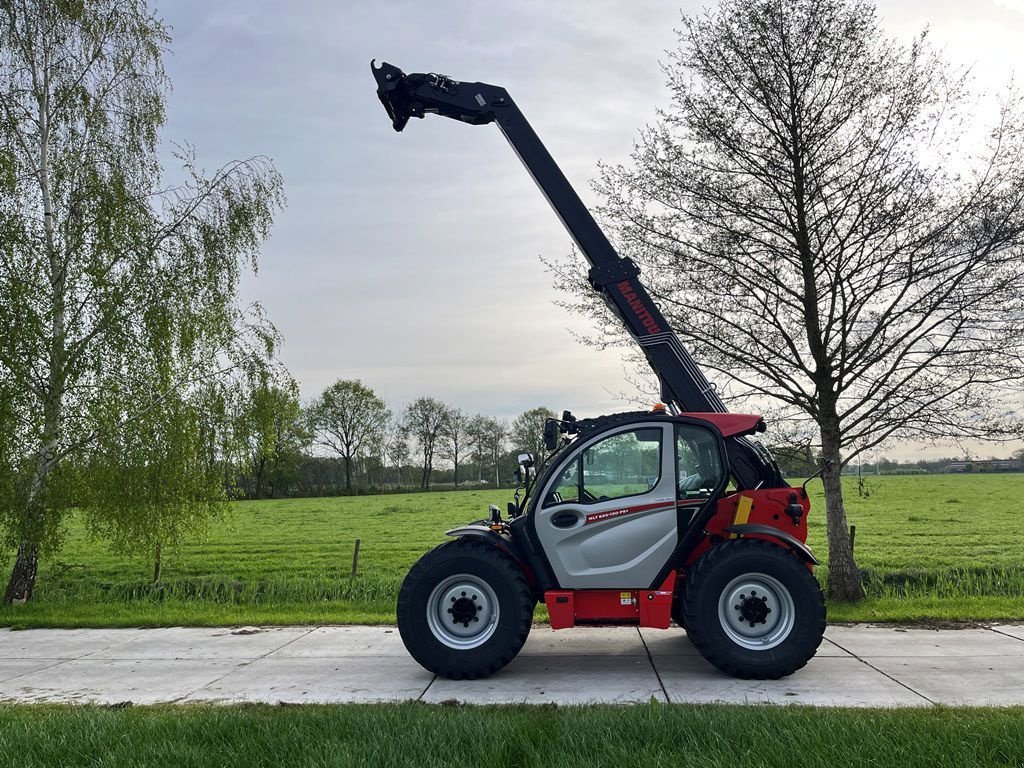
540	476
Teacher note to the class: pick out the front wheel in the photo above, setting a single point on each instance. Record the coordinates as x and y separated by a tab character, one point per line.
753	609
464	610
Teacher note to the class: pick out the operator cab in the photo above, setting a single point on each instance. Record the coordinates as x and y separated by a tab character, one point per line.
614	503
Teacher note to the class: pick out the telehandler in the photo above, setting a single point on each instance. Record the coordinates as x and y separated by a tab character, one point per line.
632	518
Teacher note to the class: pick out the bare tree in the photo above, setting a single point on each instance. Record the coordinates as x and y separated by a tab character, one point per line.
396	448
347	418
455	438
825	230
487	439
424	421
527	431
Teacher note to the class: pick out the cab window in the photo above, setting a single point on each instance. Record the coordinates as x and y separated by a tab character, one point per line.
699	464
567	487
624	464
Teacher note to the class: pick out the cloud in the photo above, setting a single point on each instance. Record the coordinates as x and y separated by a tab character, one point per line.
1013	5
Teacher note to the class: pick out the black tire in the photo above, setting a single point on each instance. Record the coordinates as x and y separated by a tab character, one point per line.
718	633
495	571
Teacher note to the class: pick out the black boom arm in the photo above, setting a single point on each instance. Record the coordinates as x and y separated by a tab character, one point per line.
615	277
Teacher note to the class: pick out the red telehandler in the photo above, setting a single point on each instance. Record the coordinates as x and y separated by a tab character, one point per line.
632	518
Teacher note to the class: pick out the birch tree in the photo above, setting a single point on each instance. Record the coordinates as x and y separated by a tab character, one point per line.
117	292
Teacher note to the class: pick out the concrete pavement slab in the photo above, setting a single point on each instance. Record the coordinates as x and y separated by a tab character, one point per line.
106	681
1013	630
977	681
584	641
557	680
825	681
667	642
878	641
355	679
204	643
66	643
334	642
581	665
11	668
674	642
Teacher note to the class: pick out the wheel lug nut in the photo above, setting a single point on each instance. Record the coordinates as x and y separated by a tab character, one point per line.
476	618
453	599
463	594
764	599
736	607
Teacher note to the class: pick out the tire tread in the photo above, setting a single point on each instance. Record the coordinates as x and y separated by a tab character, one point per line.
708	563
467	547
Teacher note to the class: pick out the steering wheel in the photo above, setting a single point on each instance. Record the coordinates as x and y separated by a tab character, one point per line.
690	483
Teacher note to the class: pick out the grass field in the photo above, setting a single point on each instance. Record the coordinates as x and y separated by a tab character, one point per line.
423	735
933	547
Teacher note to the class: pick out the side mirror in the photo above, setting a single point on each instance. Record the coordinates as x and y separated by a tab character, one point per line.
551	434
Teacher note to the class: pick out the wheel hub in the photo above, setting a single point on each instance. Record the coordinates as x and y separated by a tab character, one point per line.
462	611
756	611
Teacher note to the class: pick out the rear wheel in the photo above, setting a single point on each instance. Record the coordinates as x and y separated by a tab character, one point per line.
464	610
753	609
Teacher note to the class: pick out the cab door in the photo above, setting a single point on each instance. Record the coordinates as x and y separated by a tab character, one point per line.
607	517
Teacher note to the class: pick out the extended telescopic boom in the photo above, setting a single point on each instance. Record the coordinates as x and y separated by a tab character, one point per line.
614	277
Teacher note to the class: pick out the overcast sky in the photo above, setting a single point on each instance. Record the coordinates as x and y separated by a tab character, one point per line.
412	261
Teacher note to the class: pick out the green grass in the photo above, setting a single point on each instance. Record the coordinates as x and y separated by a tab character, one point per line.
933	547
585	737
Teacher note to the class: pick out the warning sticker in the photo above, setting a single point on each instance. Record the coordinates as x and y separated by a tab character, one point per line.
625	598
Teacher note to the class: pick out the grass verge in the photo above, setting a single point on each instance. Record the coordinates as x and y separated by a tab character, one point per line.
431	735
932	548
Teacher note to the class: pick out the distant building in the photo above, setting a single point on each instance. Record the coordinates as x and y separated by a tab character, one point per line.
991	465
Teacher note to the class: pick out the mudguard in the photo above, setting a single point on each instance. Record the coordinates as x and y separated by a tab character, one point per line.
483	532
801	549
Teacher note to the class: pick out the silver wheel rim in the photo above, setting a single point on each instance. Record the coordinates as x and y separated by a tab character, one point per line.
462	611
756	611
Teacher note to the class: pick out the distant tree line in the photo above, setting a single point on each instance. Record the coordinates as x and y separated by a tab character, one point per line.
802	461
347	440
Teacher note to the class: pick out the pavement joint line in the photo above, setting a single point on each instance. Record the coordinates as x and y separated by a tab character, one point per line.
244	663
1004	634
156	631
654	667
884	674
833	642
57	663
424	691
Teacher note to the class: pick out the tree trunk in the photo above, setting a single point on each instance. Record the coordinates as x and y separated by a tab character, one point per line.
261	465
157	562
348	473
22	583
844	583
23	577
